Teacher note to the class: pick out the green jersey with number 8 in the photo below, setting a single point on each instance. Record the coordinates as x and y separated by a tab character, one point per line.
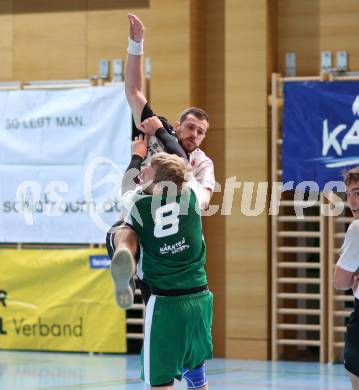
173	251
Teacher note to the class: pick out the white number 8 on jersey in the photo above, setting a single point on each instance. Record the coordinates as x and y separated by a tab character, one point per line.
166	220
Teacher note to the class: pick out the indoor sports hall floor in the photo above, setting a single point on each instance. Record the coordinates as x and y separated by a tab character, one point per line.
70	371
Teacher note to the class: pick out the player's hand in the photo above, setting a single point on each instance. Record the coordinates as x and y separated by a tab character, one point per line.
355	281
137	28
151	125
140	145
206	198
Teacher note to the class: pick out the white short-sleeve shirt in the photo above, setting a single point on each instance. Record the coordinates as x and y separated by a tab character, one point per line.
349	258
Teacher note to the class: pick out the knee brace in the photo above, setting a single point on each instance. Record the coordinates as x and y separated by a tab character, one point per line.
195	377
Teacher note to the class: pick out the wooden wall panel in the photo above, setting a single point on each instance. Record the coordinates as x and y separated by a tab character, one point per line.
308	27
63	42
6	40
107	29
215	234
49	45
298	32
207	59
247	349
198	45
107	32
246	63
246	276
210	61
169	47
246	158
272	38
339	29
167	43
246	153
126	5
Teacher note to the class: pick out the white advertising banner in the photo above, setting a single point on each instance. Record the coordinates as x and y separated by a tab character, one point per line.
62	157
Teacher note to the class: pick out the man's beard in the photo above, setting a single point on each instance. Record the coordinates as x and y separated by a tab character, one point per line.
188	145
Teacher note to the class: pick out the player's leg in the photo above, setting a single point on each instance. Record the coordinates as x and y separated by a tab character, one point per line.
145	290
355	381
126	239
203	388
163	347
123	238
119	237
351	349
196	377
122	244
200	346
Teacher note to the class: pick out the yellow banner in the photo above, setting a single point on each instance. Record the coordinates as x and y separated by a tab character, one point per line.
59	300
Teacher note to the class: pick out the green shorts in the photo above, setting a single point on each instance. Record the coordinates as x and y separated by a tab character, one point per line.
177	335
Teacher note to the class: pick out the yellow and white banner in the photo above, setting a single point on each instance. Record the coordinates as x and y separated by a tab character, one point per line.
59	300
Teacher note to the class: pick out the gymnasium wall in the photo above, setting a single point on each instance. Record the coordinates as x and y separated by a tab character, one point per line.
65	39
215	54
246	158
309	27
208	70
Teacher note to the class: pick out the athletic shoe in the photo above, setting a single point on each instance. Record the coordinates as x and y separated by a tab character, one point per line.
122	271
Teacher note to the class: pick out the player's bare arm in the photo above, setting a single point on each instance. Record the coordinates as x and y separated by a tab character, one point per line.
343	280
134	68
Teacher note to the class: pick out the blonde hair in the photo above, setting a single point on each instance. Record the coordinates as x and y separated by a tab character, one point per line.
170	168
351	176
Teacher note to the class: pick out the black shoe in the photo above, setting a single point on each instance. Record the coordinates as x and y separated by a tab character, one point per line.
122	271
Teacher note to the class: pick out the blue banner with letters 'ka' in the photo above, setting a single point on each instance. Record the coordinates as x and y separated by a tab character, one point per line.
320	131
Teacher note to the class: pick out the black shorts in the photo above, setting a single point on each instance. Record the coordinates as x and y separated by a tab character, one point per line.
110	238
351	349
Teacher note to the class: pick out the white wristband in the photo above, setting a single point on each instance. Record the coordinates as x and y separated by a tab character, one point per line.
134	47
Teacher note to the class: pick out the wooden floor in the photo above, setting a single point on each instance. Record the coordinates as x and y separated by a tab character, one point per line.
70	371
